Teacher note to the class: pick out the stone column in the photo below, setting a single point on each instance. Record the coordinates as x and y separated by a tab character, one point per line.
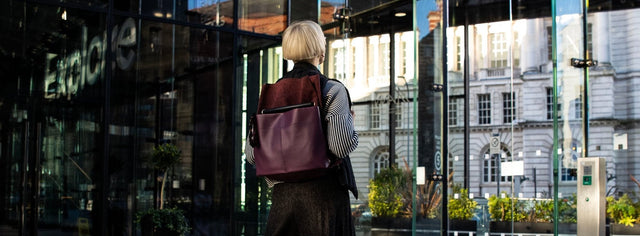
600	32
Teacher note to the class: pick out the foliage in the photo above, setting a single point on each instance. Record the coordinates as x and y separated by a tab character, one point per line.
165	156
391	192
171	219
385	194
541	211
506	208
463	207
429	198
537	210
623	210
567	209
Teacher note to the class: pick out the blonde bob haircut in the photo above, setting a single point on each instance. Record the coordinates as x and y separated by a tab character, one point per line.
303	41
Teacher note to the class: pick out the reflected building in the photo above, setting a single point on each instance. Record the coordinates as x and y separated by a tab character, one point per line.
519	110
510	97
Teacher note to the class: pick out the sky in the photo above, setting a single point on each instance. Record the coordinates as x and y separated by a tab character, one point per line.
423	9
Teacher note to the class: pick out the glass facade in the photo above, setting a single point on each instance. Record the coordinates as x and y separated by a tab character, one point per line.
472	105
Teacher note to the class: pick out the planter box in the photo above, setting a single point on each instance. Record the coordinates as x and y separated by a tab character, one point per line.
619	229
402	226
390	223
387	226
531	227
463	225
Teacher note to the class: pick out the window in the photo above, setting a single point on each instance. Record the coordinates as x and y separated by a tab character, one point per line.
381	160
372	56
398	114
549	43
385	54
340	72
484	109
550	105
516	50
508	107
578	107
375	115
499	50
491	168
404	60
589	41
459	53
569	163
454	108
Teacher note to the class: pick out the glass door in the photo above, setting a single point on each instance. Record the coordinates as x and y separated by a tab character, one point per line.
517	103
391	66
570	114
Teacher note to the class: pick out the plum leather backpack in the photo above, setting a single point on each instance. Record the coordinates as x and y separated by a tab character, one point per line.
287	132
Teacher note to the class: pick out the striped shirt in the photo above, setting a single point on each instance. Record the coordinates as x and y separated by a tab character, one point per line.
342	138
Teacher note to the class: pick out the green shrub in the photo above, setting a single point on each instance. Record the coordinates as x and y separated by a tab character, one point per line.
623	210
170	219
463	207
386	192
541	211
506	209
567	209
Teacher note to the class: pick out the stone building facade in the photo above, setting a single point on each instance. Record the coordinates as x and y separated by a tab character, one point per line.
512	103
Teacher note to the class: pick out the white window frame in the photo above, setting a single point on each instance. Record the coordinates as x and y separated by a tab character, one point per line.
484	109
509	107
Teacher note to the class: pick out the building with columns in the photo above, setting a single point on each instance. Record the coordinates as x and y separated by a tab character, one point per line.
510	95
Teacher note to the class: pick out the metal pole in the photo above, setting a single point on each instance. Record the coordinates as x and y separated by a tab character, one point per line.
392	98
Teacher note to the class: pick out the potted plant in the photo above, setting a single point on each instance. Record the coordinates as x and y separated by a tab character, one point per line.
504	210
161	220
386	199
624	214
391	201
461	209
532	216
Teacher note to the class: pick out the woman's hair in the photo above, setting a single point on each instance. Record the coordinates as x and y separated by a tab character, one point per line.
303	41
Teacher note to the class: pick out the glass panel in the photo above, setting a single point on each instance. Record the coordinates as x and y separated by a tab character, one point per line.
167	9
210	12
261	63
502	70
122	130
613	92
329	9
569	87
70	131
379	45
13	123
51	130
214	125
265	17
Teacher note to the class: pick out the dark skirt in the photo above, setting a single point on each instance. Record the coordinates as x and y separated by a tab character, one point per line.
318	207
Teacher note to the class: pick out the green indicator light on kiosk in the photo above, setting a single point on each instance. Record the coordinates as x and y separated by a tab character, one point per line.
586	180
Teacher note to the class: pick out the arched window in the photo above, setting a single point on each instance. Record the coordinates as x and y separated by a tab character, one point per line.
568	163
491	167
380	160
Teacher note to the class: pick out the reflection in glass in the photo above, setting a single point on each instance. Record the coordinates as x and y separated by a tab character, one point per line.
265	17
218	13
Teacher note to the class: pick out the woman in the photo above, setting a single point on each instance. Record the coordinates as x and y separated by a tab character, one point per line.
319	206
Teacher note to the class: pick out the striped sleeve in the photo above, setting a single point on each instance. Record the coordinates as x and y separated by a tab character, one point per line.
341	135
248	152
